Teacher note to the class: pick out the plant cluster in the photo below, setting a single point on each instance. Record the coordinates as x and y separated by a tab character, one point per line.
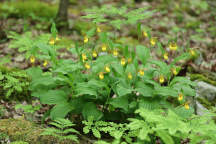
112	81
63	130
14	84
108	77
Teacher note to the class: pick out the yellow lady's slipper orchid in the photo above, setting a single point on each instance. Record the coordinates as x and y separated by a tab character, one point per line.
98	29
107	69
129	60
52	41
141	72
115	53
45	63
32	59
161	79
145	34
104	47
94	54
153	41
57	38
85	39
173	46
180	96
186	106
174	71
101	75
123	61
165	56
192	52
87	66
84	57
130	76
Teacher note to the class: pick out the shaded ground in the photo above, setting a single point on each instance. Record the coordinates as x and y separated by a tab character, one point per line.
193	24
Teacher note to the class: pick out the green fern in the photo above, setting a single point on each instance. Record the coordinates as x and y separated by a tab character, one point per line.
13	82
63	130
172	126
114	13
118	131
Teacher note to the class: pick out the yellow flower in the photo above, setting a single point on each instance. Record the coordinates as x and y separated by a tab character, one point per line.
84	57
161	79
186	105
141	72
104	47
87	66
115	53
123	61
174	71
107	69
52	41
94	54
145	34
32	59
129	60
45	63
153	41
173	46
85	39
192	52
98	29
101	75
180	96
130	76
57	38
165	56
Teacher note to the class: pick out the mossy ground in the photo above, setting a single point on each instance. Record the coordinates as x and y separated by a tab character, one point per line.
29	8
26	131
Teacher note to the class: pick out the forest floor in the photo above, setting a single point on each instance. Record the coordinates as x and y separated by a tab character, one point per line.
193	23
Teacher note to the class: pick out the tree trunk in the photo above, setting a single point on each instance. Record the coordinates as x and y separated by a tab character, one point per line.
62	15
2	32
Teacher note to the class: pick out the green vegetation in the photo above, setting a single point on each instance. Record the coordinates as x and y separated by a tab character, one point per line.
121	74
14	84
62	130
35	9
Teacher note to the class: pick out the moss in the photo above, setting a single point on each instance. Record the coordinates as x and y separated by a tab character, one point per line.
205	103
202	78
28	8
22	130
26	131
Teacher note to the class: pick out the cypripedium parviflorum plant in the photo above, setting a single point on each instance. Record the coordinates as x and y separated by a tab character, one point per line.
109	77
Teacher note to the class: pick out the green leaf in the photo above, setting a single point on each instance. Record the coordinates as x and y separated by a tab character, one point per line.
1	76
182	80
96	133
167	139
143	53
90	110
84	89
164	68
121	90
120	102
53	97
60	110
91	32
144	89
149	103
165	92
118	68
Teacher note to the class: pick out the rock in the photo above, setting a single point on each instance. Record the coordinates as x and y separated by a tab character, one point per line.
205	90
200	109
205	95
